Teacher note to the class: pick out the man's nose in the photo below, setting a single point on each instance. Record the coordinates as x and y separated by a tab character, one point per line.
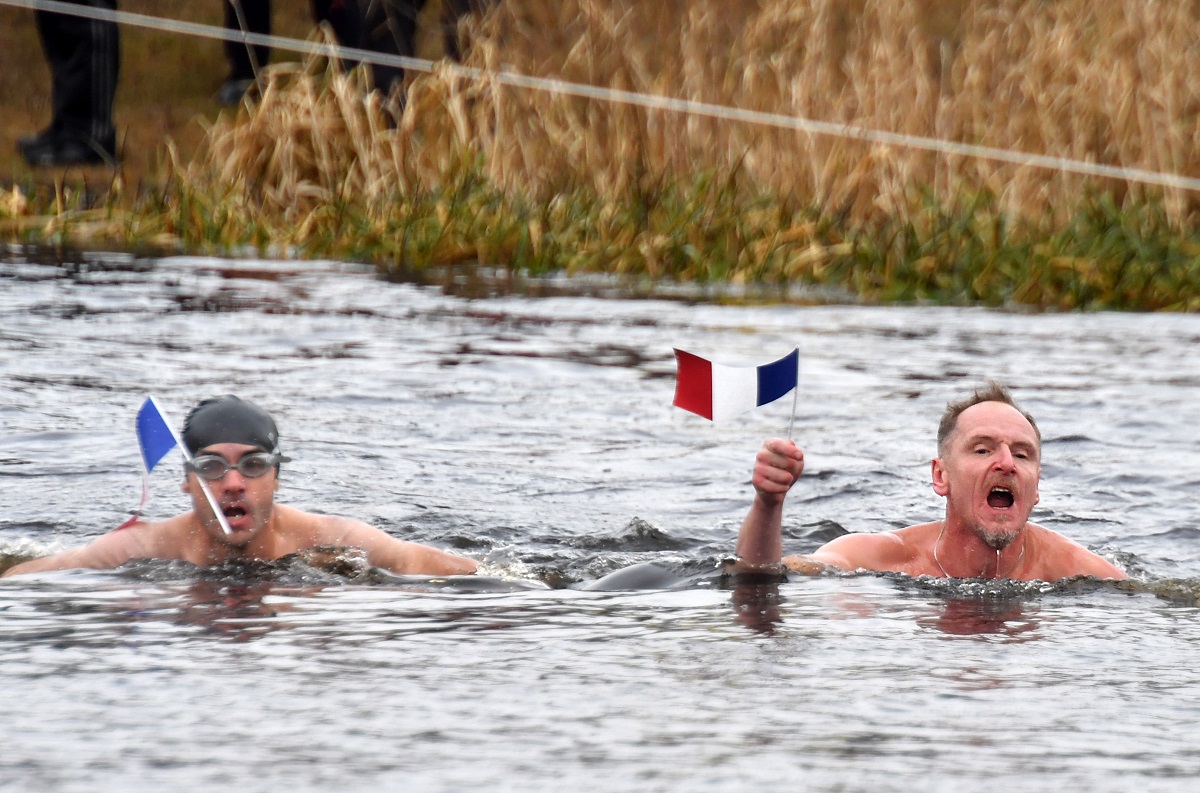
1004	458
232	480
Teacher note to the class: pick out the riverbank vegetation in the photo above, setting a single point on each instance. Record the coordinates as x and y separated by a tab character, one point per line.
475	170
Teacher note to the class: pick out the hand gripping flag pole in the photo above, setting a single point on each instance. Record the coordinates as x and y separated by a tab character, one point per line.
719	392
156	439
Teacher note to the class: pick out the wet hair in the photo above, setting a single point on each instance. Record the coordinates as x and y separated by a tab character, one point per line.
992	392
230	419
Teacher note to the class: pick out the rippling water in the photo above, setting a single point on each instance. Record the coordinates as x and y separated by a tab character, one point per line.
536	434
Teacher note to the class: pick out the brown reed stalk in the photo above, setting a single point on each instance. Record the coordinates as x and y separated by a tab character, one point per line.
1108	83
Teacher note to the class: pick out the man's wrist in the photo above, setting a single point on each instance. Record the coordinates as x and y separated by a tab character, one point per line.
740	566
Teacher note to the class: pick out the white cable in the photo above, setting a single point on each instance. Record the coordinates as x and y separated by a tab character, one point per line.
649	101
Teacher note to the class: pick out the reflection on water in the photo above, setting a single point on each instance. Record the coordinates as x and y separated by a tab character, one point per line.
536	435
238	611
981	616
756	604
759	605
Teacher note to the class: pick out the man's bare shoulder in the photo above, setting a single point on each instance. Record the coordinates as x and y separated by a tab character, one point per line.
313	528
894	551
178	537
1062	557
383	550
142	540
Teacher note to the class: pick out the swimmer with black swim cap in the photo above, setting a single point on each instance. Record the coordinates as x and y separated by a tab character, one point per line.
236	453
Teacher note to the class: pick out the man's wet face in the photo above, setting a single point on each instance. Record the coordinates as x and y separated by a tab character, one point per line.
245	501
992	464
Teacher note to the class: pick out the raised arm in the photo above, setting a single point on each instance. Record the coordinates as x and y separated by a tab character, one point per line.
777	467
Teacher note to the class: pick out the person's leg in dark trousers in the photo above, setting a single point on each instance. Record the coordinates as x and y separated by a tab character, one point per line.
244	61
452	11
343	16
345	19
391	27
84	57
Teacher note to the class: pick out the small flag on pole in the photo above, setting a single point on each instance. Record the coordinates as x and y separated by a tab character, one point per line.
155	436
155	439
719	392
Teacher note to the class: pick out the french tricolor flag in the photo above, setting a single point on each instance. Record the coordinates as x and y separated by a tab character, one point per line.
718	392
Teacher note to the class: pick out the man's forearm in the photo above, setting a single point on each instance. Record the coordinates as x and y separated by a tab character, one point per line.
760	541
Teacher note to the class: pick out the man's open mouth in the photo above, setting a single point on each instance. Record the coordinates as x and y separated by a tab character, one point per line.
1000	498
234	512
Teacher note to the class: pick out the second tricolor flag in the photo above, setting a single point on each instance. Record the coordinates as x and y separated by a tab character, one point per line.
718	392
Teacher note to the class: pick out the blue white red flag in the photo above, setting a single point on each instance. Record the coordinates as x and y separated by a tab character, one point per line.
719	392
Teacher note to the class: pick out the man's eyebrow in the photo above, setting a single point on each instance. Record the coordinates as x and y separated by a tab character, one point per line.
976	437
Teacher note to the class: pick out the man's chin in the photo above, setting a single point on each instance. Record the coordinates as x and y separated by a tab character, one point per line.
999	538
239	536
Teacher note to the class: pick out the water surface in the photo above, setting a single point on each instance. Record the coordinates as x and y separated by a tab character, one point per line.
537	435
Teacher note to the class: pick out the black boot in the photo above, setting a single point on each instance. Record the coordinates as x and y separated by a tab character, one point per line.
60	148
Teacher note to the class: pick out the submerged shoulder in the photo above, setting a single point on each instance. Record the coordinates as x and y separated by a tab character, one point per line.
887	550
320	527
1064	558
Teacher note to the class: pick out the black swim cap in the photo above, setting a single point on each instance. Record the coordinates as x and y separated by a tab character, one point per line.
228	419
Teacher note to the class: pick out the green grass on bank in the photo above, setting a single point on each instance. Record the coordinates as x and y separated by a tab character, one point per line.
1106	257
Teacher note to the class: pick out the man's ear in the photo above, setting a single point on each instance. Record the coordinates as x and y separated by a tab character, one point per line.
941	485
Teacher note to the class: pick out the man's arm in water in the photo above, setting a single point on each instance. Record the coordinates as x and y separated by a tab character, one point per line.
399	556
777	467
106	551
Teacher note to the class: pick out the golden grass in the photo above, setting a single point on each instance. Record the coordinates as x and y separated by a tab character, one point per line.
536	180
1112	85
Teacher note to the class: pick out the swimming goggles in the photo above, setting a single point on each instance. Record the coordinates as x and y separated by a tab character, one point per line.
213	466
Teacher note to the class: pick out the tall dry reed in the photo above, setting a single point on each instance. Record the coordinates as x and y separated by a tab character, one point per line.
1107	83
476	169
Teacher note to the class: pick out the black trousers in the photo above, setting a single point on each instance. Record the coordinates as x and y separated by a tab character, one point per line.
388	26
391	27
84	57
343	16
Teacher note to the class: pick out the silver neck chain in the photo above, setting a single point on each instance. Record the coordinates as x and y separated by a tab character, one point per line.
942	567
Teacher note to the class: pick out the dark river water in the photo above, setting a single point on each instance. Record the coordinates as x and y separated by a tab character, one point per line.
534	431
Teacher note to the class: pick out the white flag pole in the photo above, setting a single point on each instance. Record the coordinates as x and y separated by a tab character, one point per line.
795	396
